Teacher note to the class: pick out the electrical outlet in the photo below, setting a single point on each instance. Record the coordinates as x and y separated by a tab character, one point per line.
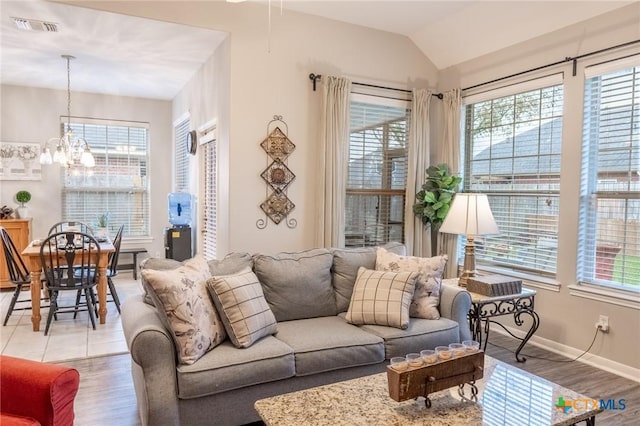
603	323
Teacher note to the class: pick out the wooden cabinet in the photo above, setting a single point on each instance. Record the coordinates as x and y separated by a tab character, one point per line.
20	232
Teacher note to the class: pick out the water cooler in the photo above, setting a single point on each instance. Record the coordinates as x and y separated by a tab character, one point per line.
177	237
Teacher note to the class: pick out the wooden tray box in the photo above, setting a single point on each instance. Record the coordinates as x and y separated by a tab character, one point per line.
421	381
494	285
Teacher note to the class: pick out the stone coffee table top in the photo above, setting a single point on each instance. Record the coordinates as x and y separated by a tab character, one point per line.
506	395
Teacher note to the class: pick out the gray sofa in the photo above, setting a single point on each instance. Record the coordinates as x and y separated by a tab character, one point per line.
314	345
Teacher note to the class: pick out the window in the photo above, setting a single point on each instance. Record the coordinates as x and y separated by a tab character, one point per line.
609	250
376	172
181	155
210	220
512	154
118	183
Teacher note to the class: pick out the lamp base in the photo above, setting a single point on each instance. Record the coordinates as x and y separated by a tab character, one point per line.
469	268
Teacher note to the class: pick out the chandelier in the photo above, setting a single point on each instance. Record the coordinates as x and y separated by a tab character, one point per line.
68	149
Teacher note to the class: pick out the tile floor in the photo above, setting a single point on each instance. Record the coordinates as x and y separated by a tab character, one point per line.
68	338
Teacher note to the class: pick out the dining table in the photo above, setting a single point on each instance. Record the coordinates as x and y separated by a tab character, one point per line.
31	256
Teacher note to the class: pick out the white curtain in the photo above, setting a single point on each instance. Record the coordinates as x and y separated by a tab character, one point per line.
416	237
333	160
450	149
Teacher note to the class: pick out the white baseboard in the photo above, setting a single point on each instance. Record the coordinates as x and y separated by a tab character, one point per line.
593	360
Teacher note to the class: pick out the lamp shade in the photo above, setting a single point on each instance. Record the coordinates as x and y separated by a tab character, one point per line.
470	214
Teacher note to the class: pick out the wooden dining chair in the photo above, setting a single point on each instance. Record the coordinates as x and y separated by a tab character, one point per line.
112	271
57	252
75	225
19	275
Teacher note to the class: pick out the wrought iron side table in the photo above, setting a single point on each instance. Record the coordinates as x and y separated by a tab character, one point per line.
483	308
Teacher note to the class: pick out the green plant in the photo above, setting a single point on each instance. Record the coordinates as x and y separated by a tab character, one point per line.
435	197
23	197
103	220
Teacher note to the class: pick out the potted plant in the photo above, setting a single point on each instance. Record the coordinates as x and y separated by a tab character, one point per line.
23	197
435	198
103	224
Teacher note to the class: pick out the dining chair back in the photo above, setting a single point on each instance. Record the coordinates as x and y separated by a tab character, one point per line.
112	270
71	225
58	252
18	273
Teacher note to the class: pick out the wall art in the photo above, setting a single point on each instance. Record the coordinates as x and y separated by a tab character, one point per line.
20	161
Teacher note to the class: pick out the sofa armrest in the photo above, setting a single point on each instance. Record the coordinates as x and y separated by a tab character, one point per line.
42	391
153	364
455	303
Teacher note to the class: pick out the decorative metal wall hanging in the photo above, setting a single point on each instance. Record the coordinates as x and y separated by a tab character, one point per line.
277	176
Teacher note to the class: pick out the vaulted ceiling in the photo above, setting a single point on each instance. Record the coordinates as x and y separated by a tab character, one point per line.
123	49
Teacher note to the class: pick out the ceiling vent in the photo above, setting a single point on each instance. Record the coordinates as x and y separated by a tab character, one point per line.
35	25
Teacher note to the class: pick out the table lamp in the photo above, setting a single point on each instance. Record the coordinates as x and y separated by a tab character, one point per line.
469	215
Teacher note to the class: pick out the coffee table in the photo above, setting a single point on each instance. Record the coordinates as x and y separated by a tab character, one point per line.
507	395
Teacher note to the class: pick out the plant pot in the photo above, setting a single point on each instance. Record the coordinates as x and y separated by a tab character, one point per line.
102	232
23	212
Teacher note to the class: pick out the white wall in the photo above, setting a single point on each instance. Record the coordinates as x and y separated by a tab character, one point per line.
568	319
265	83
33	115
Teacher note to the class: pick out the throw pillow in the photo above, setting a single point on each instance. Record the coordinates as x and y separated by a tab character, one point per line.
346	262
244	310
427	293
381	298
186	308
297	285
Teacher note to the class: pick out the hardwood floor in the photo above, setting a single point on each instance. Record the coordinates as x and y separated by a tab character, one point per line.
106	396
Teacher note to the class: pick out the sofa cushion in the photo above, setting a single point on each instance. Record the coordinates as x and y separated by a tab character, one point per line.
226	368
381	298
185	307
420	334
329	343
430	269
297	285
241	304
157	264
346	262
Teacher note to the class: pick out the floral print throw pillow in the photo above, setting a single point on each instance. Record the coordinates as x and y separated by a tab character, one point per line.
184	303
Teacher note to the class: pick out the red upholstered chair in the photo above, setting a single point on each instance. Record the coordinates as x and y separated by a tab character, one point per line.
36	393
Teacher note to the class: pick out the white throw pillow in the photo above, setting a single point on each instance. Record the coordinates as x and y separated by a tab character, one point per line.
381	298
244	310
431	269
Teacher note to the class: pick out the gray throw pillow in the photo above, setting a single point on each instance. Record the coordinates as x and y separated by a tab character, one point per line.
346	262
297	285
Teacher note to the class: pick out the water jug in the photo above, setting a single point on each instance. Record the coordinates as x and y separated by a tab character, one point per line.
180	208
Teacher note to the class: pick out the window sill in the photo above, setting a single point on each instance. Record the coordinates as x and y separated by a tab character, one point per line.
628	299
528	279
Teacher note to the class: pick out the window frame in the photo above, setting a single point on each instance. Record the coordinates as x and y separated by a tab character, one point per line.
106	193
385	193
541	222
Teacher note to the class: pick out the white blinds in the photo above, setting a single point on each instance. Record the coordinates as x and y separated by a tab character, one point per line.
512	154
181	156
118	183
209	230
609	250
376	173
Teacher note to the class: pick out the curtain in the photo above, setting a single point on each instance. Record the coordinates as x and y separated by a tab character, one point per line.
417	240
333	160
450	149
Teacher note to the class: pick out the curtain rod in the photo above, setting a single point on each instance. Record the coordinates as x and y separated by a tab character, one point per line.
315	77
565	60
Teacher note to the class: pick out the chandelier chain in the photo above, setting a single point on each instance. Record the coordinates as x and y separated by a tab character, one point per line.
68	92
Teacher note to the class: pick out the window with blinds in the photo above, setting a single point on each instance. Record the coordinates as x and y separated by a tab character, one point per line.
181	156
210	208
512	154
376	174
118	184
609	247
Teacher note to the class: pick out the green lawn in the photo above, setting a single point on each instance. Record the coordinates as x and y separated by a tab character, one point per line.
632	270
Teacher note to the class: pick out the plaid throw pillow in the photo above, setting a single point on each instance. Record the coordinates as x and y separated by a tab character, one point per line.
243	308
381	298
